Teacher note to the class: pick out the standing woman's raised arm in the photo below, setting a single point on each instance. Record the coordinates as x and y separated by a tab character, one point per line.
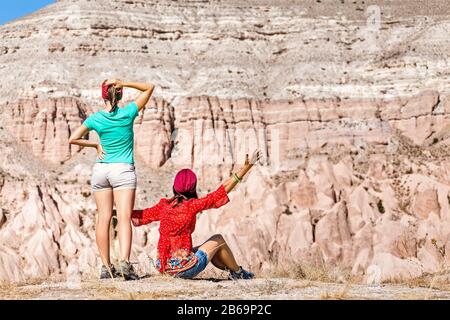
146	88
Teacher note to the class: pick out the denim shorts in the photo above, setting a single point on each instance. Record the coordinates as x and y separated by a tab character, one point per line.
113	176
197	268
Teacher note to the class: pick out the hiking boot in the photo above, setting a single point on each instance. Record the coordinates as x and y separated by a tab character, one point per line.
241	274
126	271
105	272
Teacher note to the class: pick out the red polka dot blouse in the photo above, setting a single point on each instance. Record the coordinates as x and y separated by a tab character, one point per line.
177	225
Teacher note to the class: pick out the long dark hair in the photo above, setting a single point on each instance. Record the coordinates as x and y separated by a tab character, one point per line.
178	198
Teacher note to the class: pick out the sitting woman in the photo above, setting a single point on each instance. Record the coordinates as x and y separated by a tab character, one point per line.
177	217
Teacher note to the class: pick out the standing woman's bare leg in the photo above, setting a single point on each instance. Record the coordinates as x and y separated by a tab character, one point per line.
104	201
124	200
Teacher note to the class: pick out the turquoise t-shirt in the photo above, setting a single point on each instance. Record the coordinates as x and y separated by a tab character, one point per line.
115	130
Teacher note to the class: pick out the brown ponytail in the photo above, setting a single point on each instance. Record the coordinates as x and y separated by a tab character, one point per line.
112	97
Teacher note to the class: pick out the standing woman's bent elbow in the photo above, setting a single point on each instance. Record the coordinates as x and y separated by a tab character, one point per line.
77	137
143	98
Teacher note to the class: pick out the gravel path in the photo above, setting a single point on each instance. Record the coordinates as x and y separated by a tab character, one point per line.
158	287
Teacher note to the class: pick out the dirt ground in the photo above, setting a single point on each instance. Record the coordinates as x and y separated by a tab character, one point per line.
159	287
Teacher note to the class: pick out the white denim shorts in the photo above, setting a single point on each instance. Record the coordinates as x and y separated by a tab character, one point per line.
113	176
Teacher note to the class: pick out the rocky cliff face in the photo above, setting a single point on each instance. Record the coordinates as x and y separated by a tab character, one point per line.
45	125
349	105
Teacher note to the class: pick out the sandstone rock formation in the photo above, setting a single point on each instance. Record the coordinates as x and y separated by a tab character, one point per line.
45	125
352	116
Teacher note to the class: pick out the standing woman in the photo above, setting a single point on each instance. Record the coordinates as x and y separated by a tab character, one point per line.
113	177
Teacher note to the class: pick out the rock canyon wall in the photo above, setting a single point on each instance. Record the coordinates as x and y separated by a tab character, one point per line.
352	116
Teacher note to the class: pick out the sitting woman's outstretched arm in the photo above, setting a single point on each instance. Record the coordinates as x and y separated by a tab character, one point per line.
215	199
148	215
218	198
231	182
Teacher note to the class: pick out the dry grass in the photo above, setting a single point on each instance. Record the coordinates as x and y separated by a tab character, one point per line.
341	295
438	281
321	273
7	290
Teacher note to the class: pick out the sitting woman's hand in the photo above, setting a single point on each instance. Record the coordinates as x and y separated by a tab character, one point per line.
257	155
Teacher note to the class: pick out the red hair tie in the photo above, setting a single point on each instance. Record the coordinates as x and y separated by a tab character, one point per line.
105	88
